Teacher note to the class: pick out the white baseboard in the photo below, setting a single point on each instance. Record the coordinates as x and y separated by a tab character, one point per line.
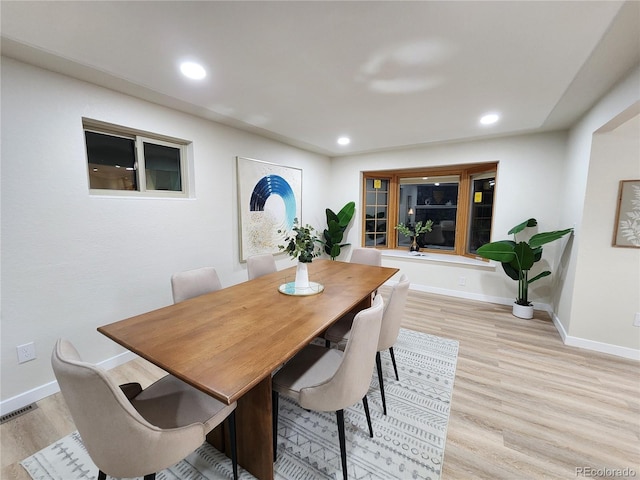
568	340
475	296
22	400
461	294
593	345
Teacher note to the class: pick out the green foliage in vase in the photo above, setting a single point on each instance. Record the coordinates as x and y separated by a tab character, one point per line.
300	243
517	258
336	226
418	229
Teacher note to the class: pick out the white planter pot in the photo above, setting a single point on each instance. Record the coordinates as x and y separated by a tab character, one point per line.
522	311
302	276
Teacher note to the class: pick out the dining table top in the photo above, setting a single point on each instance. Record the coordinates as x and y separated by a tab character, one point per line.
227	341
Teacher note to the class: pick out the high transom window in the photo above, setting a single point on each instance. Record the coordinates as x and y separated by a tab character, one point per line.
119	159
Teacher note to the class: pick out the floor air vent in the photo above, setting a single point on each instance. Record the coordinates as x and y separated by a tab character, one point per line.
17	413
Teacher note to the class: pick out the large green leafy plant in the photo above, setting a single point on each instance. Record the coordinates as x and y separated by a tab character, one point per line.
517	258
336	226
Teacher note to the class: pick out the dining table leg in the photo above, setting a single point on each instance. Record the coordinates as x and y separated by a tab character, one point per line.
254	432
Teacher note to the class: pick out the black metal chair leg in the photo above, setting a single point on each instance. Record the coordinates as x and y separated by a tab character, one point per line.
381	382
343	446
102	475
274	408
234	444
393	360
365	402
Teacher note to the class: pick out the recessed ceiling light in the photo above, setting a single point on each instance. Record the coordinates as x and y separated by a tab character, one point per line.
344	141
489	119
193	70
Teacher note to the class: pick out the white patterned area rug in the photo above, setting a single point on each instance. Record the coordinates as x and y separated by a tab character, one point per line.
408	442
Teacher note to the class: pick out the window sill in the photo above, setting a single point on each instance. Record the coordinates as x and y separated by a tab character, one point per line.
439	258
149	194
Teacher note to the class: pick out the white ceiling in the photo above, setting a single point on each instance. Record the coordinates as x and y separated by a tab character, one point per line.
387	74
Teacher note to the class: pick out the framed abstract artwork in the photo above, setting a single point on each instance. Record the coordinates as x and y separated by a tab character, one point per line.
626	232
269	199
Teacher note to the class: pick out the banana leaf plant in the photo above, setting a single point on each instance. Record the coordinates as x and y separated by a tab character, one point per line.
517	258
336	226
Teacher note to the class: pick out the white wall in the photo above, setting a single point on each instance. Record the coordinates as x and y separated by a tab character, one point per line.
528	185
601	292
608	278
72	262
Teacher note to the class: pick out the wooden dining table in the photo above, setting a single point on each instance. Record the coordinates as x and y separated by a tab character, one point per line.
228	343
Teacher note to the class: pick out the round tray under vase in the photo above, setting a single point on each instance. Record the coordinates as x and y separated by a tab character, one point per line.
290	289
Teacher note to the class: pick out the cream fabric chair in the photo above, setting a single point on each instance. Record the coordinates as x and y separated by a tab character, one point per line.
366	256
391	320
259	265
130	432
330	379
193	283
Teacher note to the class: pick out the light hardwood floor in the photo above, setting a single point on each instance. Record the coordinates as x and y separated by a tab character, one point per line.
525	406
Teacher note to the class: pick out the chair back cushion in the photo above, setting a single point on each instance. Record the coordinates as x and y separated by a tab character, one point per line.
393	312
352	378
258	265
193	283
366	256
118	439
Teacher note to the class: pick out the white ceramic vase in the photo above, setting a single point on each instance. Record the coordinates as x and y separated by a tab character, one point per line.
523	311
302	276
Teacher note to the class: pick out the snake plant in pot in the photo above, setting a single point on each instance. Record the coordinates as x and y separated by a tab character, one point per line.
517	258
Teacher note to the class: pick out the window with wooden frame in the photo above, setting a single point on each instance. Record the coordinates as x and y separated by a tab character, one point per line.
458	199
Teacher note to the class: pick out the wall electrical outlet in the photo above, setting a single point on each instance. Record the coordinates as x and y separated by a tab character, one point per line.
26	352
636	320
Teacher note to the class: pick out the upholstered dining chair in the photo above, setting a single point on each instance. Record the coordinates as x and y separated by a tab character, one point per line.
326	380
366	256
130	432
193	283
259	265
340	331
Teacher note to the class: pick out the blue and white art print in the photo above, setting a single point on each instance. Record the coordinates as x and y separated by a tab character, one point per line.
269	197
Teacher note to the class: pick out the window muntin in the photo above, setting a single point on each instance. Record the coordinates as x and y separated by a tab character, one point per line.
376	211
481	210
122	160
444	195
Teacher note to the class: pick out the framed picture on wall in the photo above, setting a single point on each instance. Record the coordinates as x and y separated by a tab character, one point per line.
626	232
269	199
